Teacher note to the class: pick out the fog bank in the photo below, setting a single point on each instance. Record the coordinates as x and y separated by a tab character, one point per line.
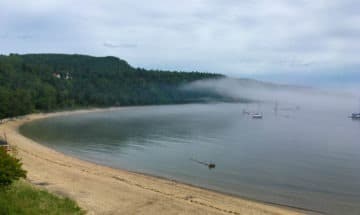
263	92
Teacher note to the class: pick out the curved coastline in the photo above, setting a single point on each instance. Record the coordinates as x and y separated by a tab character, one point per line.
104	190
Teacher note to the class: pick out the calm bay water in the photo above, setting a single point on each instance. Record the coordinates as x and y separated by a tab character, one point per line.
308	158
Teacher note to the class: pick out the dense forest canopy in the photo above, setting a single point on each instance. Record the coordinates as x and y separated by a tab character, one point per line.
46	82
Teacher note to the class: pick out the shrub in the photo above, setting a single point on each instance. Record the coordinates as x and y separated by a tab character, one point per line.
22	198
10	169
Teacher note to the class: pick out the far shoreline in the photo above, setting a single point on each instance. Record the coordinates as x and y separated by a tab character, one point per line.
13	126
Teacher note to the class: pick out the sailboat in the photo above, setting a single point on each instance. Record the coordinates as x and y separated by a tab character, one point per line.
355	116
257	115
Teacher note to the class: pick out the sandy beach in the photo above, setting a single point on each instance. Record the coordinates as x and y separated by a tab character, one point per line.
103	190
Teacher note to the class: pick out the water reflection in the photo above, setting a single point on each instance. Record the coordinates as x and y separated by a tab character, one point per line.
309	159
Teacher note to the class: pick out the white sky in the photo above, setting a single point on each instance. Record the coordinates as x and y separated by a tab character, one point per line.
233	37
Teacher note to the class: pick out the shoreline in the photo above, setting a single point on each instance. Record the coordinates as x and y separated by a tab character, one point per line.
104	190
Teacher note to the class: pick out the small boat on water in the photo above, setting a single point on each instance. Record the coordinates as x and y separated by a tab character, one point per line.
355	116
257	116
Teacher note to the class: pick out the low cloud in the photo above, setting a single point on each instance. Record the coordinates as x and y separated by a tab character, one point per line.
257	91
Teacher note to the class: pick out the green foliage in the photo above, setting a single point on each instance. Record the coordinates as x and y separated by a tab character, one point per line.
10	169
28	83
22	198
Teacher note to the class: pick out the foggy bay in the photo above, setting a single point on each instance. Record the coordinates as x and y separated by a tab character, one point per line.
307	158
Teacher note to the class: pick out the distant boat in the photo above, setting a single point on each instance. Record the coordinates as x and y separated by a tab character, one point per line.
355	116
257	116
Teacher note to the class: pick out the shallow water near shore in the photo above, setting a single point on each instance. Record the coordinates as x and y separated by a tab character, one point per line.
307	158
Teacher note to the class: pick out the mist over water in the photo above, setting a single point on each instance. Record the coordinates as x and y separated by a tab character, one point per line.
336	97
305	158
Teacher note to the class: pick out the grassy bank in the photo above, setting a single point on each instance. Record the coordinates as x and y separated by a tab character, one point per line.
23	198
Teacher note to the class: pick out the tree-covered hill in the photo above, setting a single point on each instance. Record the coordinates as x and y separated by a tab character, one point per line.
45	82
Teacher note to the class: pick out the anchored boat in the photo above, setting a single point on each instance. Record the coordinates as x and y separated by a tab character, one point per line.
355	116
257	116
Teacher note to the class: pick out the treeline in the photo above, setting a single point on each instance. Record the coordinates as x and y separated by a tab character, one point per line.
46	82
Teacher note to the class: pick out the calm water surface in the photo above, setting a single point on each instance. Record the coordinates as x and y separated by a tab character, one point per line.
308	158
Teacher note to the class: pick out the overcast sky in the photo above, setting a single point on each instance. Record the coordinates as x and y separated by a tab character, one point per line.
239	38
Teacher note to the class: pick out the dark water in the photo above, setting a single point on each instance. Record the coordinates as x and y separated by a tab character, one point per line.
308	158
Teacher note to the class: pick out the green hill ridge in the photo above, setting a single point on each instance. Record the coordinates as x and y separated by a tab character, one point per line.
47	82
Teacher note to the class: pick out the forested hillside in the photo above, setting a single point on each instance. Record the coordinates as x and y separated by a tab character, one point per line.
45	82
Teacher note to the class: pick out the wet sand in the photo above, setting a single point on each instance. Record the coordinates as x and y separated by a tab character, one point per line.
103	190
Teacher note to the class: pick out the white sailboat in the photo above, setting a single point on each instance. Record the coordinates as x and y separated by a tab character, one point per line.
355	116
257	115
